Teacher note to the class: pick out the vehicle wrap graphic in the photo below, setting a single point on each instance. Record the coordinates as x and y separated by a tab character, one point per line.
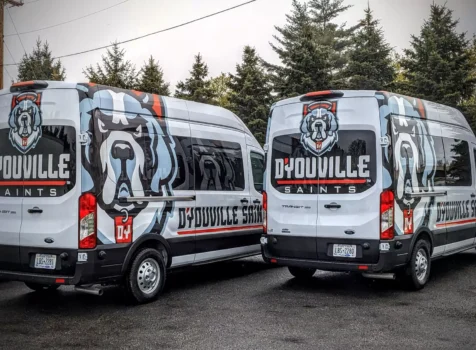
413	153
319	127
129	152
25	121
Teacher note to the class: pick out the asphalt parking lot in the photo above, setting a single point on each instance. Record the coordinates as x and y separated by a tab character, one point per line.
247	304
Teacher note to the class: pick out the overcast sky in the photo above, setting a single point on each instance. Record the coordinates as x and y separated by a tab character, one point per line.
219	39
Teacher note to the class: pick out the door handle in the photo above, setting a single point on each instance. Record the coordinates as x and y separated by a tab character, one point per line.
35	210
244	201
256	201
332	206
473	195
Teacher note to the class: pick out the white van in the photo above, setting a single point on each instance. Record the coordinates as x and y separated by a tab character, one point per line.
366	181
104	186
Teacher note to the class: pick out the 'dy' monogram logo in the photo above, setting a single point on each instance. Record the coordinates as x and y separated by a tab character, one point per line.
25	121
319	127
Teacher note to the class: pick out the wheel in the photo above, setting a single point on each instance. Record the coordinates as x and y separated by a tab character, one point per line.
301	272
42	287
416	274
145	278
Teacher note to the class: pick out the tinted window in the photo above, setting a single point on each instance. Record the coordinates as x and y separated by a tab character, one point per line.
218	165
184	179
349	166
257	168
46	169
458	162
440	176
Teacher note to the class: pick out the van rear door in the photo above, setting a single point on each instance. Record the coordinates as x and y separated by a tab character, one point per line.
348	187
11	189
51	178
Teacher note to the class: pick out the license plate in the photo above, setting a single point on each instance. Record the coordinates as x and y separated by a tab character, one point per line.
45	261
344	250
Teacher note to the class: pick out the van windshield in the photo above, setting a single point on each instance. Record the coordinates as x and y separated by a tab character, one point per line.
346	166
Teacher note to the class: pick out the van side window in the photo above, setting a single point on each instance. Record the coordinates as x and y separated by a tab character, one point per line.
184	179
257	169
440	175
218	165
458	162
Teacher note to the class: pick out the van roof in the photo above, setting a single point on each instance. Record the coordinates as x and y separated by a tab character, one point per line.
197	112
435	111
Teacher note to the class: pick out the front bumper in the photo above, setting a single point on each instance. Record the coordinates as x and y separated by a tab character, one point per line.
314	253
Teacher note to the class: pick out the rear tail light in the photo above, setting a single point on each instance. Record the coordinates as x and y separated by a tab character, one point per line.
87	221
387	215
265	212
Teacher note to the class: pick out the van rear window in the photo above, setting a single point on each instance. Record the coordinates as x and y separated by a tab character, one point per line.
347	166
37	163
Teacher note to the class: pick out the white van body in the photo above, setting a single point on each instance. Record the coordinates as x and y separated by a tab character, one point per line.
90	175
355	179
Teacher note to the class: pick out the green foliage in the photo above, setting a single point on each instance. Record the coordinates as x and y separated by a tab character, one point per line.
221	91
152	79
197	87
39	65
437	67
370	64
115	70
251	93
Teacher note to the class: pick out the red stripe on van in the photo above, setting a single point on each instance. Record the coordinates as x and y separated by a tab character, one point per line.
454	223
220	229
323	182
32	183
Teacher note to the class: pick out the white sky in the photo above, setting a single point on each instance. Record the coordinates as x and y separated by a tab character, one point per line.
219	39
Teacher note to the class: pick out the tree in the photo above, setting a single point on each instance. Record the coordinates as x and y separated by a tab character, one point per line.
438	64
152	79
370	64
303	65
39	65
115	70
197	87
221	91
333	40
468	106
251	93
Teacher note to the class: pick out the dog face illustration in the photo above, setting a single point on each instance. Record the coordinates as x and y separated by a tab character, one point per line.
130	155
414	154
25	121
319	127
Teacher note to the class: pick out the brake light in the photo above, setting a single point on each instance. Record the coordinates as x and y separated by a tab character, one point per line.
315	95
87	221
387	215
265	212
28	85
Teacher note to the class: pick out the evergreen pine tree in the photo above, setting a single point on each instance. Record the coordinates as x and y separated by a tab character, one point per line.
152	79
333	40
370	64
251	93
468	106
304	66
116	71
197	87
438	64
220	87
39	65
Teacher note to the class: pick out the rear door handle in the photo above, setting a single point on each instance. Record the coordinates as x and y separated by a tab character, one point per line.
244	201
332	206
473	195
256	201
35	210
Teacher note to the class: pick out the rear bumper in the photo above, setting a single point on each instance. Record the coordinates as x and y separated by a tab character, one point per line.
373	260
17	264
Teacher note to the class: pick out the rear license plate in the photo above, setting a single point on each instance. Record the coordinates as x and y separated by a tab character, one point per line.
45	261
344	250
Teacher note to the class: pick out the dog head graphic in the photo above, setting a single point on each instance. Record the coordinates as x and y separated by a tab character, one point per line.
25	121
319	127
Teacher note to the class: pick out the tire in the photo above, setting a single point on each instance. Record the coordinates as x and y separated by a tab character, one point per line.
42	287
417	273
145	278
301	272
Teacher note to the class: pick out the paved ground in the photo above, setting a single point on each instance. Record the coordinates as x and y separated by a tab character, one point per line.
248	305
